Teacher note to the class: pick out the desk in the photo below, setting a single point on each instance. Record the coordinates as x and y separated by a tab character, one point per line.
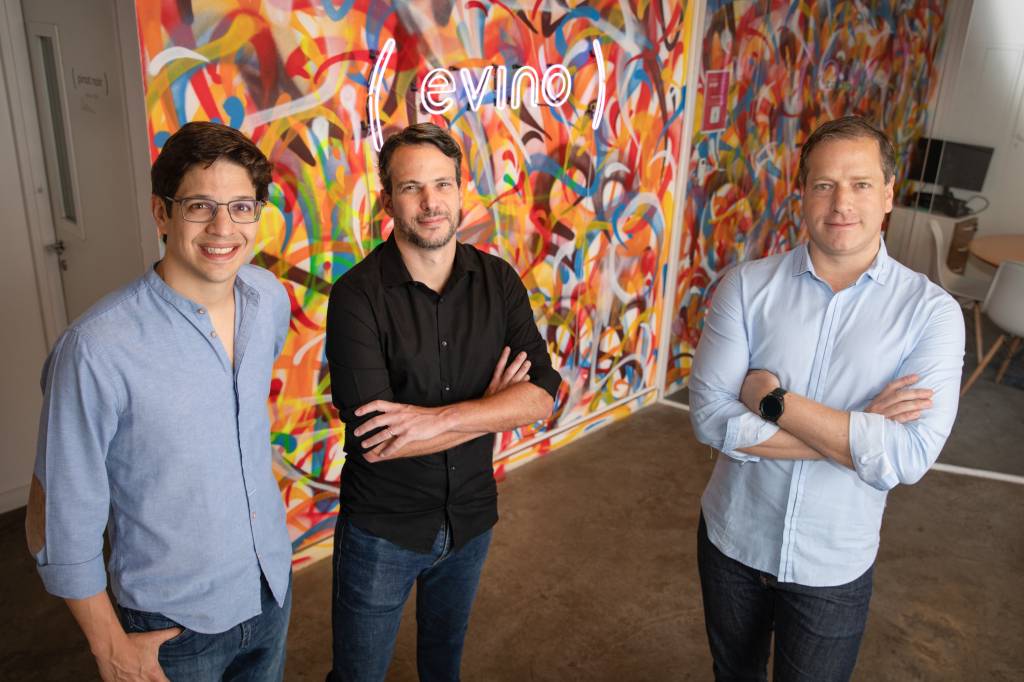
996	248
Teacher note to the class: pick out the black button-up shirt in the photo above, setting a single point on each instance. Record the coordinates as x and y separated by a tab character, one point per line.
395	339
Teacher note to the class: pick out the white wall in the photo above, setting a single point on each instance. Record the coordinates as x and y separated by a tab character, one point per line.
980	102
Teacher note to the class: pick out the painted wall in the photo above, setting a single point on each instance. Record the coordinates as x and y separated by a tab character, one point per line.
791	65
585	216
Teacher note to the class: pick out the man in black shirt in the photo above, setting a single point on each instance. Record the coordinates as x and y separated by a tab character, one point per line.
419	340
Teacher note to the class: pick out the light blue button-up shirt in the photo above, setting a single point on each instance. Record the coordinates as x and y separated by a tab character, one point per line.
817	523
145	419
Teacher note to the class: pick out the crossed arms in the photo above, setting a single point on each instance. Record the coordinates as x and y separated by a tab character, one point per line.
401	430
386	429
893	439
810	430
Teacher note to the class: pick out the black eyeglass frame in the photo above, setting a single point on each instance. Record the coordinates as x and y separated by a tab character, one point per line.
216	207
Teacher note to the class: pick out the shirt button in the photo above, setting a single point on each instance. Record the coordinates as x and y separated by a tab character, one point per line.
200	311
254	516
444	344
440	300
453	467
213	334
447	387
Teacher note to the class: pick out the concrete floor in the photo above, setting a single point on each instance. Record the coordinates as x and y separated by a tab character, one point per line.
592	576
989	426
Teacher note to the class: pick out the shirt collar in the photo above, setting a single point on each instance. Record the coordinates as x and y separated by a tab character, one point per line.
164	291
157	284
881	266
878	271
392	267
394	272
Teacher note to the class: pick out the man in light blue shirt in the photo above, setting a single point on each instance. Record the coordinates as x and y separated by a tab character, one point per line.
155	428
825	377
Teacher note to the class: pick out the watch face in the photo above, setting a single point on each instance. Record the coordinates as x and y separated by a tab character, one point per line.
771	407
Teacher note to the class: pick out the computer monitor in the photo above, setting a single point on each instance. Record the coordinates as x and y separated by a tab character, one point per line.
950	164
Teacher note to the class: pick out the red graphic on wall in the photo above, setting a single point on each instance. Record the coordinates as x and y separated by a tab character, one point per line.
716	92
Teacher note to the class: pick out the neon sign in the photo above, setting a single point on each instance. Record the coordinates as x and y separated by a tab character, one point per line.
438	86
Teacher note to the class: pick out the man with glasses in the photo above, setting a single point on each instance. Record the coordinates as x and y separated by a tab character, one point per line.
155	428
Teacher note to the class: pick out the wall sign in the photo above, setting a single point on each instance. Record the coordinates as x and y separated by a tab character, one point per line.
716	92
435	92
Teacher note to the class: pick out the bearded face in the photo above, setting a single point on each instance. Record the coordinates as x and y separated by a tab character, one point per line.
425	198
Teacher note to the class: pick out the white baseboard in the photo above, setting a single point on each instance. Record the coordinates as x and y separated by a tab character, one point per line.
978	473
13	498
672	403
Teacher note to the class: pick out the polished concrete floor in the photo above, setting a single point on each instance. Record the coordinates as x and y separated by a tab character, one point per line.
592	577
989	429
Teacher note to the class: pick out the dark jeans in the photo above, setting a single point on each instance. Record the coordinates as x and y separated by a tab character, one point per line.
372	581
252	651
817	629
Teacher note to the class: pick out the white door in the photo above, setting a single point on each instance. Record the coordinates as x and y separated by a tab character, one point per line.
77	77
82	193
23	342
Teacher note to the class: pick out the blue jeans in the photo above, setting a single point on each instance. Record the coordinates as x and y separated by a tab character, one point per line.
252	651
817	629
372	581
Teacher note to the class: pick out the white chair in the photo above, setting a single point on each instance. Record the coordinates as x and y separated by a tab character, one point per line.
1004	305
897	233
964	289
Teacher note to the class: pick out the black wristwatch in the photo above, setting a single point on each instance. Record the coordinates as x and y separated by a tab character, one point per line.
773	405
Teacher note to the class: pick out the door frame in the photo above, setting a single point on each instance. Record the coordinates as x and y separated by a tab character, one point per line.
14	56
134	102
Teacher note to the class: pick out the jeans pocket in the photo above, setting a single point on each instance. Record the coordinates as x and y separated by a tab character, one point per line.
135	621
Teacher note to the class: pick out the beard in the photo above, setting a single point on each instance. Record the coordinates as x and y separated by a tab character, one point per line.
408	231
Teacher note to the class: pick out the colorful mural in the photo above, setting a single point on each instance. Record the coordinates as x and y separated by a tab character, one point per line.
782	67
583	214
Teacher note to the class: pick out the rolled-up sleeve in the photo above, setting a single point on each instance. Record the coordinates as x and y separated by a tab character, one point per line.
719	367
78	421
886	453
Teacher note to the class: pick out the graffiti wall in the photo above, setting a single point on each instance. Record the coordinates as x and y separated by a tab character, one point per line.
770	72
570	177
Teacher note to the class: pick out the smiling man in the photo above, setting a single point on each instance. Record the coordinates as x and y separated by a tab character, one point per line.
432	348
155	428
825	377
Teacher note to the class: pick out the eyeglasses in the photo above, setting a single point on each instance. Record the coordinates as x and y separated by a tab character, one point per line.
199	210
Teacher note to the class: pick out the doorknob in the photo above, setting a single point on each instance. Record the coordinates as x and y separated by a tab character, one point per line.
57	247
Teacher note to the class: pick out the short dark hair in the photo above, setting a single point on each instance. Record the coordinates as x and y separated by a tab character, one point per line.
848	128
203	142
418	133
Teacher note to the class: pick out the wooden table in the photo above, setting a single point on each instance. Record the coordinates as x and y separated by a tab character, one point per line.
996	248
